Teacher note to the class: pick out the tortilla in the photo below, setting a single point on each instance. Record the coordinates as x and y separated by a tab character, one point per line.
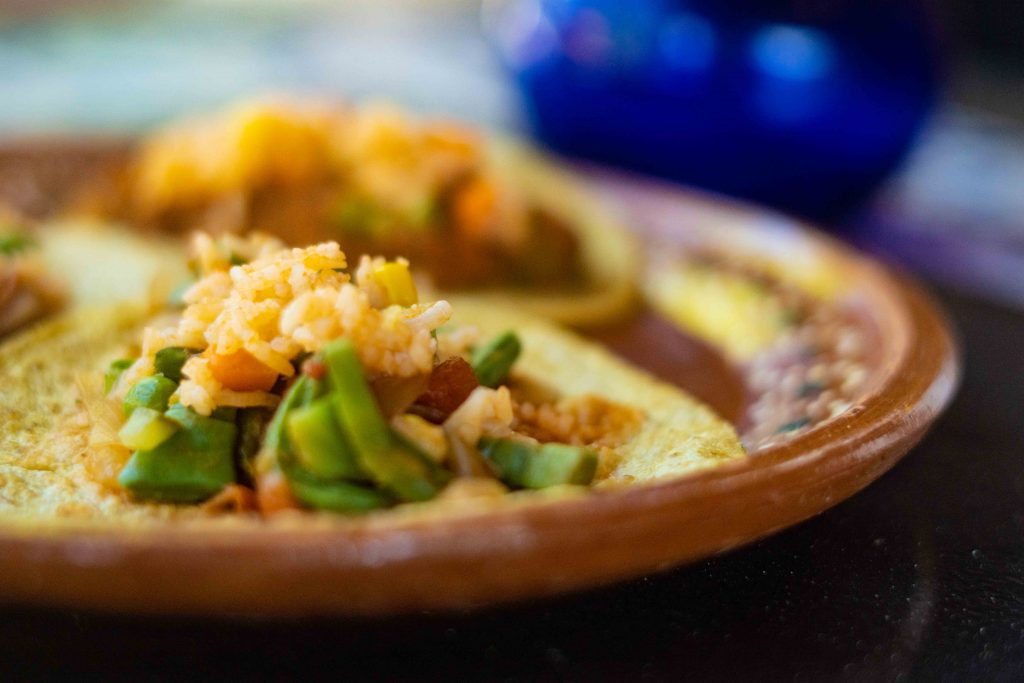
44	428
610	254
79	263
104	264
679	434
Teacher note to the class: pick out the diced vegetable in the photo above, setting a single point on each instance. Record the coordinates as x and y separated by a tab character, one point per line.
185	417
240	371
277	490
318	442
114	373
275	440
535	466
425	436
250	423
312	390
558	463
169	361
193	464
149	392
438	475
493	361
146	429
226	413
387	461
396	280
335	496
509	456
15	243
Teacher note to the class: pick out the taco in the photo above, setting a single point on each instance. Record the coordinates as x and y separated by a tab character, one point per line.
294	381
474	214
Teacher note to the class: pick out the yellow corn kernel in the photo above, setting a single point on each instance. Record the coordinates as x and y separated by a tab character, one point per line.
395	278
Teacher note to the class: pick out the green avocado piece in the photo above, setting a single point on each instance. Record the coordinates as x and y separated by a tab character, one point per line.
538	466
169	361
149	392
335	496
146	429
193	464
318	442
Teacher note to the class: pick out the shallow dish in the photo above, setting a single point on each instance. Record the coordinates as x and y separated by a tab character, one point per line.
907	370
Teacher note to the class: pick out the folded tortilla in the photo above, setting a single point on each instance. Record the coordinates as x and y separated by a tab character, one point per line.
46	474
610	255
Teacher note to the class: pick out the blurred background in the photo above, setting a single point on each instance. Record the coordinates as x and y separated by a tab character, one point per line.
898	124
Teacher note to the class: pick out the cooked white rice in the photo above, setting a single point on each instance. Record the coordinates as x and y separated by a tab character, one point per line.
283	303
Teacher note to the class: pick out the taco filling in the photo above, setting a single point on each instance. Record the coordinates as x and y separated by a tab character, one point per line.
371	178
294	379
27	291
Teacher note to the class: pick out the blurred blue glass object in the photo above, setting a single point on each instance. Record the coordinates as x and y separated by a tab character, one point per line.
804	105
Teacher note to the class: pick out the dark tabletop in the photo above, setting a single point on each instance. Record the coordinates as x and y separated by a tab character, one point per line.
920	577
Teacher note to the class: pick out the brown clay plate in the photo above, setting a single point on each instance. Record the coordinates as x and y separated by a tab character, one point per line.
861	365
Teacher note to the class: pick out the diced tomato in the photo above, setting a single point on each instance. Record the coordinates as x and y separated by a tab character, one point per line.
450	384
240	371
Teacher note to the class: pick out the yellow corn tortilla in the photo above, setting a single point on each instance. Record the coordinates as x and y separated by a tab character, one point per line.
44	427
103	264
679	434
93	263
610	255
